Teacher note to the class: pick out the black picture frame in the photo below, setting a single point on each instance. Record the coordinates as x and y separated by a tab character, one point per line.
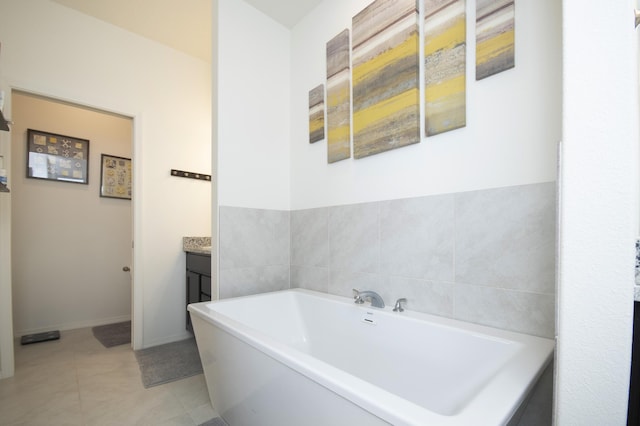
115	177
52	156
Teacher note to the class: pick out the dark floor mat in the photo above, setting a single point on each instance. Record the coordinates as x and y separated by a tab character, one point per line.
113	334
40	337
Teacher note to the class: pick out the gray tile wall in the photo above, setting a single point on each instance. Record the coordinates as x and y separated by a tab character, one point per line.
486	256
254	251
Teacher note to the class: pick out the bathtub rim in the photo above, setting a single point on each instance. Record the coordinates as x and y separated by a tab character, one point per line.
534	352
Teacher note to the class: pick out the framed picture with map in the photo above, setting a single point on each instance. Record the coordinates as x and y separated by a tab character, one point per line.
57	157
115	177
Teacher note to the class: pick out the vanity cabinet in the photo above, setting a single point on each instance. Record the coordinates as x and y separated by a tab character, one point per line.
198	281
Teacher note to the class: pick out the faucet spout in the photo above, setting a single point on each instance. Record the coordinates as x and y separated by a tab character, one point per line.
372	296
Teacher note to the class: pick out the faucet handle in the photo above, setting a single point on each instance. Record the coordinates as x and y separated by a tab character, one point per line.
398	307
356	297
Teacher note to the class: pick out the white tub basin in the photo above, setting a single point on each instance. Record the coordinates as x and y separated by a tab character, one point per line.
297	355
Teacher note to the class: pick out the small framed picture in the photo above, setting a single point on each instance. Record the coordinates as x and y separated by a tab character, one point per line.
57	157
115	177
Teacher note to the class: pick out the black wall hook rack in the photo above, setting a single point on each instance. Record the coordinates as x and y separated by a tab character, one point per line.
190	175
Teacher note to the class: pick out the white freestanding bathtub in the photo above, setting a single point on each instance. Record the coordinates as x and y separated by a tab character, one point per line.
298	357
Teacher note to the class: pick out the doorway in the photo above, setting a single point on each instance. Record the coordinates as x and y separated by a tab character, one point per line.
69	243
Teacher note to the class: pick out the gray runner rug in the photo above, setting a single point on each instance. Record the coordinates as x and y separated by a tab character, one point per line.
170	362
113	334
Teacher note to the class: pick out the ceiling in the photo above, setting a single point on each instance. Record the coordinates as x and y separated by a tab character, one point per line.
287	12
184	25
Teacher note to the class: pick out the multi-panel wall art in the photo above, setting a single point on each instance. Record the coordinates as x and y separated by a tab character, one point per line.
495	37
383	67
316	114
386	103
445	27
338	98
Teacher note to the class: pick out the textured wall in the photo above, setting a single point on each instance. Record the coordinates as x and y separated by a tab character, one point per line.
254	251
485	256
598	218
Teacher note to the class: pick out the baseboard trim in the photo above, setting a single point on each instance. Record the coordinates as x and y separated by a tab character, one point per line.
168	339
73	325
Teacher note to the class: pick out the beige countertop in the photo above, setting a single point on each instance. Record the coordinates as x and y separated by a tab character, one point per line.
200	245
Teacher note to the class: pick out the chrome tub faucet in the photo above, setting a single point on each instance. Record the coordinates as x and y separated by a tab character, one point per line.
374	298
398	307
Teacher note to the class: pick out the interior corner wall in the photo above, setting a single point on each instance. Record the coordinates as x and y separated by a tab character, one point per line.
253	89
215	222
68	244
513	119
55	51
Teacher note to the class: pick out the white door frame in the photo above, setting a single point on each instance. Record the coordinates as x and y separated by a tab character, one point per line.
7	362
7	365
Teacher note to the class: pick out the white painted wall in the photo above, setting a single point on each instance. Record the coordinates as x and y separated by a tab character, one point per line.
253	114
52	50
513	119
598	212
68	244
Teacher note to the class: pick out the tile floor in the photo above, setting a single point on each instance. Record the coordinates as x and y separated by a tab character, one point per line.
76	381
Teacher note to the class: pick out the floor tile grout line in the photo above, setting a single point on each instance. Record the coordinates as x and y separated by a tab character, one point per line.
80	403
